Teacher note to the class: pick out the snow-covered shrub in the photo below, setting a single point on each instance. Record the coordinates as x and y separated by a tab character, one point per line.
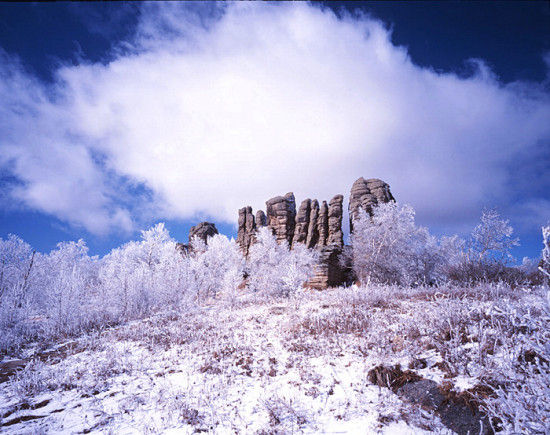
141	276
67	291
545	262
68	280
17	276
390	248
216	268
521	399
487	253
275	269
492	239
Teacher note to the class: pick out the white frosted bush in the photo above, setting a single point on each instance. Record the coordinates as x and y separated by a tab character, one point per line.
217	268
275	269
545	262
390	248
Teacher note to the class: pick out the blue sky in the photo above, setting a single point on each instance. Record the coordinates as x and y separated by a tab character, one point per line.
116	116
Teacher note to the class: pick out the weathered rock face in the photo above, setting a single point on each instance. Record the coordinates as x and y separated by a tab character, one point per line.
322	224
335	213
203	231
312	230
281	217
261	220
328	272
247	229
302	222
366	194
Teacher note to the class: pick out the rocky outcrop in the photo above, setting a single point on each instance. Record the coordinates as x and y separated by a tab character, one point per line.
247	229
317	226
203	231
365	194
302	222
261	219
328	272
322	224
313	230
281	217
335	213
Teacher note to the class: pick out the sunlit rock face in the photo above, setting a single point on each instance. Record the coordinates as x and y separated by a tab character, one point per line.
366	194
281	217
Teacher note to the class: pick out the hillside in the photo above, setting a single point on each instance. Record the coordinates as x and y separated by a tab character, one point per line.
257	364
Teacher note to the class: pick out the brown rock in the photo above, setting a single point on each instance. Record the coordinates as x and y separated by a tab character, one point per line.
281	217
247	229
322	224
203	231
365	194
335	233
302	222
328	272
313	230
261	220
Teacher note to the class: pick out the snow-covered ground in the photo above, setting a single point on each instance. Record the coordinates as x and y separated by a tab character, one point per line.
284	365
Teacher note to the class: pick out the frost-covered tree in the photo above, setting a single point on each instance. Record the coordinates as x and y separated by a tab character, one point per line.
68	276
275	269
545	261
390	248
143	275
492	239
217	267
17	279
487	253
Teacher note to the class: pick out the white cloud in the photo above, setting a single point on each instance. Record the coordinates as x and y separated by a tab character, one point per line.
215	111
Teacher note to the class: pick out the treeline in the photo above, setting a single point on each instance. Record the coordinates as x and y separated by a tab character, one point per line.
67	292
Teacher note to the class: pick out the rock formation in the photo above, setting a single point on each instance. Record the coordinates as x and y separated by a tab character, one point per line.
335	213
366	194
302	222
281	217
261	220
312	230
247	229
328	272
203	231
322	224
318	227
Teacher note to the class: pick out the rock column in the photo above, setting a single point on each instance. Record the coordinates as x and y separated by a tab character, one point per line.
281	217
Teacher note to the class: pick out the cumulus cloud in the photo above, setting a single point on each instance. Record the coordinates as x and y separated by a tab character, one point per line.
210	110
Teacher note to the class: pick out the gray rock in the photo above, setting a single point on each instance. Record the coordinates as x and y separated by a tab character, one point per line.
302	222
335	233
322	224
365	194
247	229
281	217
261	220
456	412
328	271
203	231
313	229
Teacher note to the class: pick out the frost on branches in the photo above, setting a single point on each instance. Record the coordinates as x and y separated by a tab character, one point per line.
216	268
545	262
390	248
492	239
275	269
